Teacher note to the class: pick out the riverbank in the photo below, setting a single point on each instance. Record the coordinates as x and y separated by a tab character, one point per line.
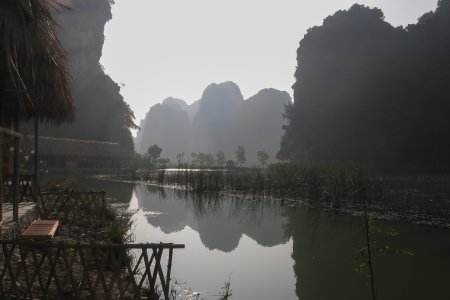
415	199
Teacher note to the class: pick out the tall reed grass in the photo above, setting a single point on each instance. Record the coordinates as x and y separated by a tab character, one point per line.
318	184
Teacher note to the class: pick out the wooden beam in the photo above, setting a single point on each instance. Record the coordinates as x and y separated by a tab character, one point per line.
36	158
16	181
1	153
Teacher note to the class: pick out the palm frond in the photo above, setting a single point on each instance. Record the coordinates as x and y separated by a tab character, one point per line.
33	62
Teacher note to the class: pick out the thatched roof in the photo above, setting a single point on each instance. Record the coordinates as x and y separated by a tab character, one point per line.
33	71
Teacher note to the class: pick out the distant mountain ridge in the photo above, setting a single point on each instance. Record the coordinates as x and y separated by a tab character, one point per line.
220	120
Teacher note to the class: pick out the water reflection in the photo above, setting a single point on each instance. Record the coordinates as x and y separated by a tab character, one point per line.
220	221
323	244
275	251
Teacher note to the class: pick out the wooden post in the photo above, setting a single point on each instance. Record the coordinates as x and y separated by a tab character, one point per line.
16	180
1	155
169	269
103	206
1	172
36	158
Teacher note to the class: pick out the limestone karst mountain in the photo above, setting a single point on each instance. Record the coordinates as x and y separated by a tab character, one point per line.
102	114
370	93
166	124
220	121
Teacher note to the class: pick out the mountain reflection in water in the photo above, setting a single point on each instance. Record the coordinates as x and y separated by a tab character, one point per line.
275	251
219	223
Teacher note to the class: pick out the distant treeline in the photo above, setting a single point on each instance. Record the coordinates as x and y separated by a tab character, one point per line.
368	92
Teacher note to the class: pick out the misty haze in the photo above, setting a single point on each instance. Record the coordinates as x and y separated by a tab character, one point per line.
225	149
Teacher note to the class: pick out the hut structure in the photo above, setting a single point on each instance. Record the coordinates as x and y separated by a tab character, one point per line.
60	154
34	83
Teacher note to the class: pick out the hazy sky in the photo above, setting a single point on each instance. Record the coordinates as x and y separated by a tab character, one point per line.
162	48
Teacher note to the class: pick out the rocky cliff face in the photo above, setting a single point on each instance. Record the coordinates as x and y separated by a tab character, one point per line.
167	125
373	94
214	126
82	34
220	121
261	117
102	113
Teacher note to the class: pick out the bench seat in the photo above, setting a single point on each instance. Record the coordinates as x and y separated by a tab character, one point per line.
41	230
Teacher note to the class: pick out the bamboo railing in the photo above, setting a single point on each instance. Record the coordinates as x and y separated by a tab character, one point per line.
71	205
75	270
49	270
26	193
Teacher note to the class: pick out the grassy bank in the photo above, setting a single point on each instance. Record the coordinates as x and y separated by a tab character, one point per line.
419	199
315	183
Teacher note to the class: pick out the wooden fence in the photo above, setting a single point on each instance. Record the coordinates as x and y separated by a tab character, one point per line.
71	205
46	270
74	270
26	193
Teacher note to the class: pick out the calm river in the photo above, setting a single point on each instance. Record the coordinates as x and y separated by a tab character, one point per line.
271	250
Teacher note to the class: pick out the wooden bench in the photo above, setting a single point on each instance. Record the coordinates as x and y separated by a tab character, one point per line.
41	230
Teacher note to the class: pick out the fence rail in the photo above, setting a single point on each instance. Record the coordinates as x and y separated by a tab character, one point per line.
71	205
85	271
26	193
74	270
